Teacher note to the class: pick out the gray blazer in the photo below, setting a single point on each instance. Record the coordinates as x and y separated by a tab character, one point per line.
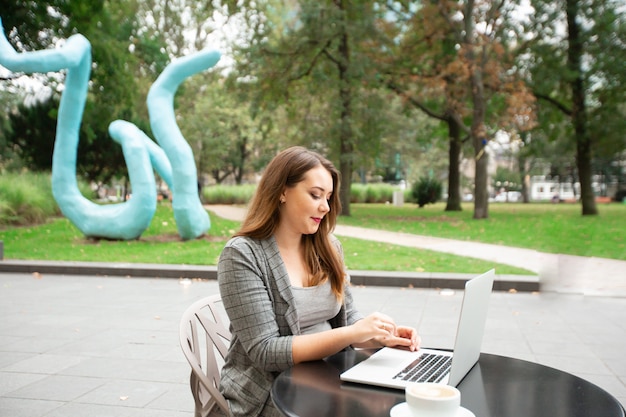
256	293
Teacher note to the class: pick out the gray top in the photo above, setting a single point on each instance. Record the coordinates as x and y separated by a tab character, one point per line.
315	306
259	301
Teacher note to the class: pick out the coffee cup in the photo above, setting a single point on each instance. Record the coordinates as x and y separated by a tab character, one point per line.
432	400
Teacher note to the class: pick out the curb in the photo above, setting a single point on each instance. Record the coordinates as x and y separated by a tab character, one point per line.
523	283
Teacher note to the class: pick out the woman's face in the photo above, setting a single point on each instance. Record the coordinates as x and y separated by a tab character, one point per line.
306	204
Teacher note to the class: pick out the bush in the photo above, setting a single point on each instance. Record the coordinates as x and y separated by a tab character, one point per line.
372	193
620	195
357	193
228	194
426	191
26	198
241	194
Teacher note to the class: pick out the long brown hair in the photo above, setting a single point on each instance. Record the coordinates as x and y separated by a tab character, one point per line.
286	170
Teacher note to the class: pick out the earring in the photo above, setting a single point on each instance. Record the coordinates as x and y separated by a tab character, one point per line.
282	201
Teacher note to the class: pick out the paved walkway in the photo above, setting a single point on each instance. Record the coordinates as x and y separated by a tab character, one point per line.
558	273
94	346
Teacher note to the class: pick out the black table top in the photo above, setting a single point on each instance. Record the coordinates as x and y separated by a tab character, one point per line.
497	386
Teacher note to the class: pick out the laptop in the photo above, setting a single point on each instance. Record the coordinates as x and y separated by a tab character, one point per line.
396	368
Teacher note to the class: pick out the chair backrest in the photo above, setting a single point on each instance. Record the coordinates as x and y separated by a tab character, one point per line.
204	336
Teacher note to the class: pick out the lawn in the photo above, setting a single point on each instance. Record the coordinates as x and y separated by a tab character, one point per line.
60	240
549	228
552	228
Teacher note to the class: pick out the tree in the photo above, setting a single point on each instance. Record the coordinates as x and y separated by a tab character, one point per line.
31	129
221	129
475	50
442	64
316	51
110	27
579	110
579	71
419	62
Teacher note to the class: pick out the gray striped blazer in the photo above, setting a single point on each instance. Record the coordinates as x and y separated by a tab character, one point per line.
256	293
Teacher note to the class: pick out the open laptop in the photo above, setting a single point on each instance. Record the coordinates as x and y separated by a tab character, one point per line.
396	368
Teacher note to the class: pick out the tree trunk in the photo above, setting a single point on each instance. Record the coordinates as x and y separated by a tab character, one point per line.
579	117
478	131
243	153
454	175
346	138
481	196
523	175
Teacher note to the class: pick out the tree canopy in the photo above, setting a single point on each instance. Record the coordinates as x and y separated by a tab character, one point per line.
385	89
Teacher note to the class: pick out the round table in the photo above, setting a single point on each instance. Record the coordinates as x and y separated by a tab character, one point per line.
497	386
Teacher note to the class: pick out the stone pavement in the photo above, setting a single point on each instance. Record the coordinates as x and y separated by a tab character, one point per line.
95	346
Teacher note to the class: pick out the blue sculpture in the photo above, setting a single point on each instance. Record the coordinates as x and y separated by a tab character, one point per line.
173	160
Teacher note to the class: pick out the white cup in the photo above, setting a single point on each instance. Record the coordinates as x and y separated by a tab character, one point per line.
432	400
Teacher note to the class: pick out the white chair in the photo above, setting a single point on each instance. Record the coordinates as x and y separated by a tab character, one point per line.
204	338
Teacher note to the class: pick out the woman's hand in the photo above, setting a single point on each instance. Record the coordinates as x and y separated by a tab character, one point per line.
404	337
383	330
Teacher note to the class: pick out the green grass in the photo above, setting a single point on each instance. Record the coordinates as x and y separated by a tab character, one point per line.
368	255
59	240
26	199
552	228
545	227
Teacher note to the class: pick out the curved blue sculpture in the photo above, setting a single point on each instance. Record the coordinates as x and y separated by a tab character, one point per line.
191	218
174	161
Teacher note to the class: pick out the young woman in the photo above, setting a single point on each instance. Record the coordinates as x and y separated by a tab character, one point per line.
285	287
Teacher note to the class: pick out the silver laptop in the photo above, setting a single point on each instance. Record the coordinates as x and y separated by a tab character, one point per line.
396	368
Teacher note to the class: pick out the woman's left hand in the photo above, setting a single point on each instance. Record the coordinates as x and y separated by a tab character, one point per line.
403	336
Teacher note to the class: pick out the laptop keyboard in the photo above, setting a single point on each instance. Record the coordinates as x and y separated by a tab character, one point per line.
427	368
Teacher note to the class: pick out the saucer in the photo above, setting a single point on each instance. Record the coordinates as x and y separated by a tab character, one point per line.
402	410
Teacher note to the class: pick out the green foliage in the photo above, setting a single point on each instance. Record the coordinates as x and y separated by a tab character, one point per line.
372	193
357	193
114	86
31	134
375	193
241	194
222	131
26	199
579	79
504	177
426	191
224	194
404	73
39	24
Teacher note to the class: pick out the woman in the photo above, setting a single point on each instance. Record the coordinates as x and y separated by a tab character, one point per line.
284	286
